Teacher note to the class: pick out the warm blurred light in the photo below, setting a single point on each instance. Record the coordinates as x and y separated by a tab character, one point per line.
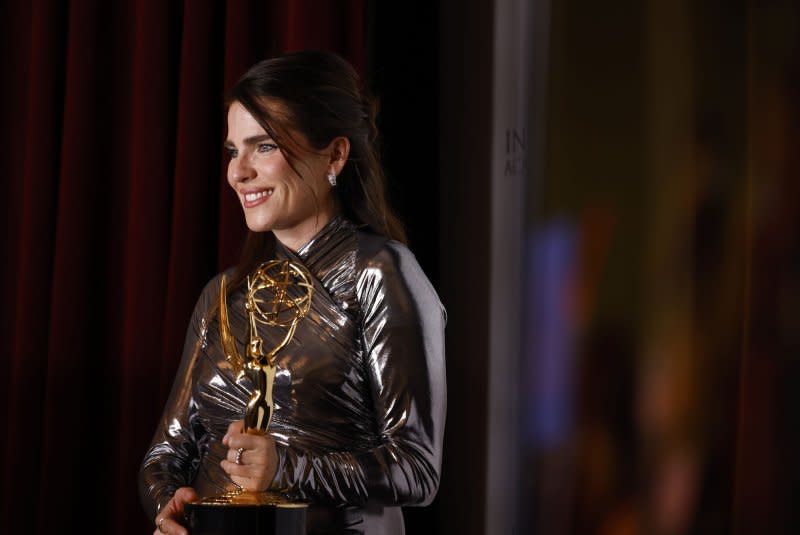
663	272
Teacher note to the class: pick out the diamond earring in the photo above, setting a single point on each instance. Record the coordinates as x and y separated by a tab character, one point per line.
332	179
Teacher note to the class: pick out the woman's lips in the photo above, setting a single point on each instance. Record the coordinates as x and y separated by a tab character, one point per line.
254	198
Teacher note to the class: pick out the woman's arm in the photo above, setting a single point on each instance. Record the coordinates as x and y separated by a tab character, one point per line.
172	459
403	335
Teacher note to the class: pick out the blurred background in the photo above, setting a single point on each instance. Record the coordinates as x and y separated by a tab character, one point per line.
604	196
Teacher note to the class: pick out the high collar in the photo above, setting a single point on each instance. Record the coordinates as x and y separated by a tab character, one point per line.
324	236
330	256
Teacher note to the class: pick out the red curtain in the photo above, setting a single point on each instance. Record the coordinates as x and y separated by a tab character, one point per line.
116	213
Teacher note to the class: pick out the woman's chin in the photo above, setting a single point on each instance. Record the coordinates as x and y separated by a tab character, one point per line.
258	225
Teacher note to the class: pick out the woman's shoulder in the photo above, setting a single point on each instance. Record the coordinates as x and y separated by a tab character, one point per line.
378	252
383	263
209	295
213	284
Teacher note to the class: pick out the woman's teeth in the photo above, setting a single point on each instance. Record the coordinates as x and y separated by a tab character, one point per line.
250	197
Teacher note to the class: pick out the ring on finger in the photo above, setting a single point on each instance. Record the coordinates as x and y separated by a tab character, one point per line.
238	458
161	521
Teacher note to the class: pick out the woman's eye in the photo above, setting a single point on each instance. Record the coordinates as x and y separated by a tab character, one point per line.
266	147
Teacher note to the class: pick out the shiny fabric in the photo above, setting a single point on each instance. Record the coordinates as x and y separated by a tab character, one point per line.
360	393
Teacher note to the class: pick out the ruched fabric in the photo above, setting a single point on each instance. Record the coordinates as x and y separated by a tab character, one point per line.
359	393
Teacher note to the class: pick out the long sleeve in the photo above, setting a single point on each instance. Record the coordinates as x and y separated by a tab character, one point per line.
359	392
173	457
402	334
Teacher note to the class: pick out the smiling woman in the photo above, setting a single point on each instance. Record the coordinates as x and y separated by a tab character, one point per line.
277	196
357	395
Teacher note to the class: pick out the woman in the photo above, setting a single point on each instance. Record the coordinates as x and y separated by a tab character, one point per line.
360	389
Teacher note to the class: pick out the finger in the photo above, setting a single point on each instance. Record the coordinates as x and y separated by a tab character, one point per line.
183	496
234	469
167	521
259	459
233	455
259	442
169	526
253	470
240	470
247	441
234	428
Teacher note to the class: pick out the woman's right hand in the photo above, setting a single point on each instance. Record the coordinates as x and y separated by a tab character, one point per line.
169	519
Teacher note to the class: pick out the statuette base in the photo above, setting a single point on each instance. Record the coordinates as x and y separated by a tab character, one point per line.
245	513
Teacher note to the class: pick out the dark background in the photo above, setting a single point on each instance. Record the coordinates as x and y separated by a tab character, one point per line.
116	212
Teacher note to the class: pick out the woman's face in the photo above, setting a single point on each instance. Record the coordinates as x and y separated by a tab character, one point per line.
272	194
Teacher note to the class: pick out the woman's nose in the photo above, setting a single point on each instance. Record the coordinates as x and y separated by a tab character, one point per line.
240	170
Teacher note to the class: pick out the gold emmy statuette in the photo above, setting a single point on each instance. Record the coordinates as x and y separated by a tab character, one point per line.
278	296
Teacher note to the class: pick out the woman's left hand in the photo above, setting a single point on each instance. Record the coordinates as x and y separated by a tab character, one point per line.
252	458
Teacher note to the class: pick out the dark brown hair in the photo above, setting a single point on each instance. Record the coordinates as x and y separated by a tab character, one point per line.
321	96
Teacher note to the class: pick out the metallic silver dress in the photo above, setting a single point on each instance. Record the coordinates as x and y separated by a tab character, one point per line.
359	394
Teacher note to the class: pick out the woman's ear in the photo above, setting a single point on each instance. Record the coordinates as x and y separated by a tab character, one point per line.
339	149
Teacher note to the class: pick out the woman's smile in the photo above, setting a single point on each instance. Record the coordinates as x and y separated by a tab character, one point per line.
274	194
254	198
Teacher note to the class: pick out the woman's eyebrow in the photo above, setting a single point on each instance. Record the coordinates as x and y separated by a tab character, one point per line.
252	140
